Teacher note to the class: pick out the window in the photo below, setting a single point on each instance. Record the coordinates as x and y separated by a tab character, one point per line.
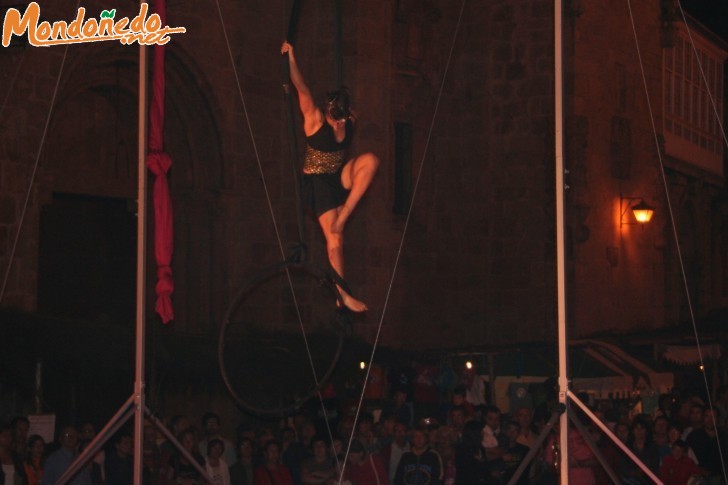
692	133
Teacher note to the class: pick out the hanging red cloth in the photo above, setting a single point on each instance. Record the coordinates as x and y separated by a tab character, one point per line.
159	163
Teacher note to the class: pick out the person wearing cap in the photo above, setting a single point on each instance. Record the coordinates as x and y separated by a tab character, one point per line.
332	183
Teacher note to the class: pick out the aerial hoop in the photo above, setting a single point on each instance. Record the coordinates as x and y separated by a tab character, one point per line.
265	374
259	320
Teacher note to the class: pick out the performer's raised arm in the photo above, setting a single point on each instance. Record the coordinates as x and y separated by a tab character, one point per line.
311	114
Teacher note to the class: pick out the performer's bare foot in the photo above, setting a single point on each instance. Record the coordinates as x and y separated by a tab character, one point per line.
352	303
342	214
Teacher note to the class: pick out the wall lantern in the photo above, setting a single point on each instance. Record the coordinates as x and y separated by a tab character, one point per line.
641	211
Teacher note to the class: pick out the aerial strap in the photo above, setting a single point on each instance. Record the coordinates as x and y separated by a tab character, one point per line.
300	250
338	43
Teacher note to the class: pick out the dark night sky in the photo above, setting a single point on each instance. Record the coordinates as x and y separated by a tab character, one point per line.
712	13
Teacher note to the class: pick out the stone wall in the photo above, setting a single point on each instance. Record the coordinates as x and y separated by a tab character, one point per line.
477	259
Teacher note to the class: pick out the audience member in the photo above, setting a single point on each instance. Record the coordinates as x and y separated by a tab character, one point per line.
677	468
581	459
241	473
514	453
666	406
399	408
215	464
457	420
364	468
86	435
272	471
365	433
640	443
392	453
384	428
178	424
674	433
421	465
119	464
34	460
459	399
299	450
696	419
151	454
60	460
659	430
709	457
721	405
682	411
180	470
20	425
320	468
212	430
524	416
471	463
11	470
492	433
446	449
621	430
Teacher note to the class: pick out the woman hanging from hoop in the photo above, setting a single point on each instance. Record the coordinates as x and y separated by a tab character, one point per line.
332	186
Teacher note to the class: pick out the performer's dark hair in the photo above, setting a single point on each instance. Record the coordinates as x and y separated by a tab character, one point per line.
337	104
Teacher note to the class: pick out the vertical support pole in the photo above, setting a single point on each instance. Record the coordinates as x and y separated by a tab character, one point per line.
141	266
560	252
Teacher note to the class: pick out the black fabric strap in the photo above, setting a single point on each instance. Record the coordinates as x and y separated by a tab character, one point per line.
291	121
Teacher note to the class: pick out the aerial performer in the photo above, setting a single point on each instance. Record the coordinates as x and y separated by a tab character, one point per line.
332	184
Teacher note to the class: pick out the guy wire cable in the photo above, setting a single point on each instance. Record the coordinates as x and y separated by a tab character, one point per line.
268	199
404	232
34	172
674	228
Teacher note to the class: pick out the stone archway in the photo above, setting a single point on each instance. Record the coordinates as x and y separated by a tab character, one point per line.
90	158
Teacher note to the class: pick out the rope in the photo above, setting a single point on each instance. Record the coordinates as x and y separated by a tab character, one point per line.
34	172
672	221
404	233
270	208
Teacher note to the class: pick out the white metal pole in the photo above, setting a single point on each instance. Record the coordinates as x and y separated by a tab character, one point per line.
560	253
141	267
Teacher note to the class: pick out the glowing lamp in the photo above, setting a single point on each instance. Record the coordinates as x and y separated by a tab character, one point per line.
641	211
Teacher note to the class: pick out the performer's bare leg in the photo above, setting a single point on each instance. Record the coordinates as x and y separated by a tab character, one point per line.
335	248
356	176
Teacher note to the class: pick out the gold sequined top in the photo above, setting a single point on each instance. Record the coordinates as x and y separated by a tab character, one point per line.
324	154
318	162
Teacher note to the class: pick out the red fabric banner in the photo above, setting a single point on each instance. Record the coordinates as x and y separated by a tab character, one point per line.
159	163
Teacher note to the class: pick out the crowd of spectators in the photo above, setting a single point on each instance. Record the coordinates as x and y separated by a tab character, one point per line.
683	441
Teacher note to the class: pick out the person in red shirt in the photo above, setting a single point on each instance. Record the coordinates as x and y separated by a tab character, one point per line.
677	467
272	472
363	468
